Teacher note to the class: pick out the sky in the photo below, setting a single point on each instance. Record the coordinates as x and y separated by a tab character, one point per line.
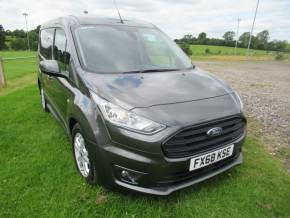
175	17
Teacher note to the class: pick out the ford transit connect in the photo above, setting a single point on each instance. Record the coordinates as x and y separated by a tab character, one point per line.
139	114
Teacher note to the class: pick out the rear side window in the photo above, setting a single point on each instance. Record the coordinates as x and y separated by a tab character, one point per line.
60	49
46	42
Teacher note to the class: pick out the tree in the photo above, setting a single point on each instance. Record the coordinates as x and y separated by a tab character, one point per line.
37	29
244	39
18	38
263	36
2	38
187	38
33	38
277	45
19	33
262	39
18	44
8	33
229	36
202	38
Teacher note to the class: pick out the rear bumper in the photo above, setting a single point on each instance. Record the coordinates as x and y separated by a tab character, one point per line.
157	174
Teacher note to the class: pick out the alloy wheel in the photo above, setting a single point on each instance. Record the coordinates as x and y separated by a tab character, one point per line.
81	155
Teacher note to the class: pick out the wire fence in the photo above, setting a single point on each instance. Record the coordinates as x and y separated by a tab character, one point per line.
16	67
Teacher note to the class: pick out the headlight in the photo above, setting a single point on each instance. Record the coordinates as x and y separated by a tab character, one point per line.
126	119
239	100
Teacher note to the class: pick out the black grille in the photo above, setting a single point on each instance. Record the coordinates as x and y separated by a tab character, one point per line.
194	140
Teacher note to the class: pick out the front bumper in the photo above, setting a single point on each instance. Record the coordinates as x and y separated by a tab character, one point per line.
159	175
169	189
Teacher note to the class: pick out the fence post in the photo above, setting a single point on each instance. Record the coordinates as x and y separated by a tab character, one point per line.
2	75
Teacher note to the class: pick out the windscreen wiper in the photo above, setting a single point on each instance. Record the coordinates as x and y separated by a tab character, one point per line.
133	71
156	70
159	70
150	70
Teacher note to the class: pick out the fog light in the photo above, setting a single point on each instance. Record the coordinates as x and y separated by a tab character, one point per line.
125	174
129	176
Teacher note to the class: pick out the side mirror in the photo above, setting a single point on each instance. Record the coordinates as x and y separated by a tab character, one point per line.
50	67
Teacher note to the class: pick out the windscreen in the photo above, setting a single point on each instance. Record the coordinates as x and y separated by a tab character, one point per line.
121	49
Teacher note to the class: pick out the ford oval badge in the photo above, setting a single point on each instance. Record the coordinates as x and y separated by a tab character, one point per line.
214	131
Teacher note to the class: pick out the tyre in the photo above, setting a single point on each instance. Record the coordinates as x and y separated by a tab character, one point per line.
82	156
43	100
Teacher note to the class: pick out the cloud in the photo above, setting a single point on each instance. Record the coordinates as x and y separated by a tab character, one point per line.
174	17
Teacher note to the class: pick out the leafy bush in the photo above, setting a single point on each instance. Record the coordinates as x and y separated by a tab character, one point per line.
207	51
280	57
186	48
19	44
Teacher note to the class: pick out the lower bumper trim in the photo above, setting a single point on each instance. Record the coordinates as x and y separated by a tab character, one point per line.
168	190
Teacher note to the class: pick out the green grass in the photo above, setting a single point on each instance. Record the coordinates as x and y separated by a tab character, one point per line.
18	68
13	54
223	53
15	69
198	50
38	177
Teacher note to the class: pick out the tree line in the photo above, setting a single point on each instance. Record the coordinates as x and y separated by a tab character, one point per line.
17	39
260	41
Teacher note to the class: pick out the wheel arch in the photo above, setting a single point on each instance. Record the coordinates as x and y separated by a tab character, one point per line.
38	84
72	122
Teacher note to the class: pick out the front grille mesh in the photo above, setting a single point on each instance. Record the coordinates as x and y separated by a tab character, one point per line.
193	140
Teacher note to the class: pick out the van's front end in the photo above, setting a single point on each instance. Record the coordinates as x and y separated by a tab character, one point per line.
196	140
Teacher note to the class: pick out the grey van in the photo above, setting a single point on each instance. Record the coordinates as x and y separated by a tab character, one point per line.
139	114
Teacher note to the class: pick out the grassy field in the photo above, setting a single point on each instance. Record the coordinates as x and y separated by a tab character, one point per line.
15	69
198	50
224	53
13	54
38	177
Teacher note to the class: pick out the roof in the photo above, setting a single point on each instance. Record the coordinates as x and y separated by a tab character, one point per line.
94	20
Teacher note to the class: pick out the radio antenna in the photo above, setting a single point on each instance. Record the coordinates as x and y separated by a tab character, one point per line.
121	20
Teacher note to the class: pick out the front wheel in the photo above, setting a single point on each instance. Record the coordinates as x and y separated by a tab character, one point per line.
82	156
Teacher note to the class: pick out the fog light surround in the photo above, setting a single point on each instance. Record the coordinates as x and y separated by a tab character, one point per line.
128	175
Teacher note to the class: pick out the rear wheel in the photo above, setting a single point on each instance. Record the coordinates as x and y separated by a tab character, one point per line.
82	157
43	100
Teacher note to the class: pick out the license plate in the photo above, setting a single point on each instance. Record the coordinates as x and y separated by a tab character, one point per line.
211	157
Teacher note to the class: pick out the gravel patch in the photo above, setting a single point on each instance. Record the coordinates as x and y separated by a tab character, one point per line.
265	90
